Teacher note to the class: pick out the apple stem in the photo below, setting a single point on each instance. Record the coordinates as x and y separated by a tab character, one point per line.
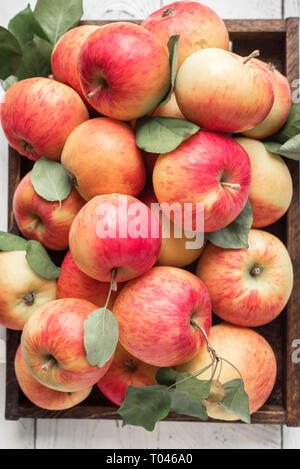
48	364
232	186
254	54
95	91
33	224
168	12
26	146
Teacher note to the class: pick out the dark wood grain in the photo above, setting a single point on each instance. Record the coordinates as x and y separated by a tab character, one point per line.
278	43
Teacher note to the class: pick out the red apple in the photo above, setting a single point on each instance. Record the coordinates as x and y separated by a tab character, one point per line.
125	370
221	91
120	233
73	283
250	353
155	313
39	114
42	396
175	251
107	148
248	287
198	25
53	347
42	220
207	168
281	107
22	291
124	71
271	188
65	55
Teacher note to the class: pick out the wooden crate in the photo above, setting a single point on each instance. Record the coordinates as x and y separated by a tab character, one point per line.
278	43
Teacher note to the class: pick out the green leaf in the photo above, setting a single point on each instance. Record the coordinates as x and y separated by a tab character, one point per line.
166	376
24	26
101	334
291	148
50	180
292	126
56	17
162	134
236	400
10	54
273	147
40	261
11	242
11	80
145	405
173	46
196	389
36	60
182	404
234	235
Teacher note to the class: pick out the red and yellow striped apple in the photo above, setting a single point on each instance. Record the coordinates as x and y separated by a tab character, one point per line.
124	71
42	220
198	25
248	287
222	91
271	188
119	232
281	106
41	395
155	314
65	55
22	291
125	370
38	115
53	346
73	283
207	168
106	148
250	353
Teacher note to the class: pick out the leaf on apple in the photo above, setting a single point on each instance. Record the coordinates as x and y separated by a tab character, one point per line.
162	134
10	54
145	405
166	376
196	389
290	149
24	26
11	80
56	17
236	400
11	242
173	46
101	335
36	61
182	404
50	180
234	235
40	261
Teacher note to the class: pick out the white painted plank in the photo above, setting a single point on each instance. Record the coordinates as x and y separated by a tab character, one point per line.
291	8
238	9
116	9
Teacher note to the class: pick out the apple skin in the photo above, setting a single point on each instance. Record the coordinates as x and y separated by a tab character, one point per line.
41	395
271	188
105	147
43	220
65	55
125	370
239	296
217	91
281	107
98	256
73	283
127	68
250	353
22	291
38	115
55	331
173	251
154	313
198	25
193	172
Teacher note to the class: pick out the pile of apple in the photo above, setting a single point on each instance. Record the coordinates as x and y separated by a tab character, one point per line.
135	115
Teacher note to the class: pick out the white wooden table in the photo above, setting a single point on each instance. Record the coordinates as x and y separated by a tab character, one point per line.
52	434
